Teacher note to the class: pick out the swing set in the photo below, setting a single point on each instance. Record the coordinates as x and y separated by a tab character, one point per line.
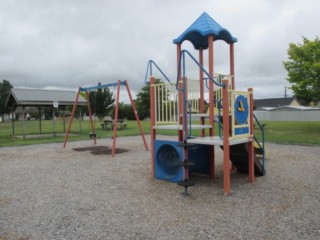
92	134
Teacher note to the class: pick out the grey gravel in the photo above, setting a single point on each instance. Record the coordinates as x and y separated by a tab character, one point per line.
47	192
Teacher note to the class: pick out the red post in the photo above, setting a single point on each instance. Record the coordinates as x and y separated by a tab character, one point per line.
211	86
136	116
250	144
180	110
152	121
178	59
211	103
180	95
115	120
226	134
201	90
184	112
232	66
71	118
90	117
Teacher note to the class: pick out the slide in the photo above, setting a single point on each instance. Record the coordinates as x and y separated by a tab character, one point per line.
239	157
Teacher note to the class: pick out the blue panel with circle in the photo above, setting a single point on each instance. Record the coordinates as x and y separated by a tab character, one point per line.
241	130
241	110
168	157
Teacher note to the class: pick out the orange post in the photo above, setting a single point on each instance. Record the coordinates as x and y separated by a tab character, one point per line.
201	90
226	133
185	121
178	59
211	103
90	117
180	109
152	121
211	86
71	118
250	144
136	115
232	65
115	121
180	94
185	109
232	76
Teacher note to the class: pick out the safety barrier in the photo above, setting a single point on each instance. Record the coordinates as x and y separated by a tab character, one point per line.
166	104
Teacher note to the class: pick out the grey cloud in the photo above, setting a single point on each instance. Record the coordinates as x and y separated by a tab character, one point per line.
66	44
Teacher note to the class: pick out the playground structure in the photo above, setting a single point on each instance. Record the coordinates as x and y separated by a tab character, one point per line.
175	105
92	134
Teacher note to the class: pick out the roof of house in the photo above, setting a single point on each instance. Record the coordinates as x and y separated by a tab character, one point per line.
42	97
272	102
295	108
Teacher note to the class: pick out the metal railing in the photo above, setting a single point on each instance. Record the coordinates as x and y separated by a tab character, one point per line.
182	60
149	71
261	146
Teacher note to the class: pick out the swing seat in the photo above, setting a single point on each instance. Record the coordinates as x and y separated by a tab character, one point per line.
92	135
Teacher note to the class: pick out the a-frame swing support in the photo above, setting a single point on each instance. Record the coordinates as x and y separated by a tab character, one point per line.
87	89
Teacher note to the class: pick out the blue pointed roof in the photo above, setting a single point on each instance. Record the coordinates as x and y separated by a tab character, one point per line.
199	31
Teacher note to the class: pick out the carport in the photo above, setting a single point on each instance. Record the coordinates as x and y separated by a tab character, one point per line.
40	98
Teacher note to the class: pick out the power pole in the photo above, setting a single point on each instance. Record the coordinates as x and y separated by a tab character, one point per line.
285	92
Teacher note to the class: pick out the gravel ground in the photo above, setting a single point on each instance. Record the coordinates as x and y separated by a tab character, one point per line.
47	192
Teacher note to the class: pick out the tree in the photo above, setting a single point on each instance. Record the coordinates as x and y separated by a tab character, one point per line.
303	69
5	88
125	111
143	100
101	102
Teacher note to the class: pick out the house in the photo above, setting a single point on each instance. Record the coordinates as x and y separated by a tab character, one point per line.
284	109
270	103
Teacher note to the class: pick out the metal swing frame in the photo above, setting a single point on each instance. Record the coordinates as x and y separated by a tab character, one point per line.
92	133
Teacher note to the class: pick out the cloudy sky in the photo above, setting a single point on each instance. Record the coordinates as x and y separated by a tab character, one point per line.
65	44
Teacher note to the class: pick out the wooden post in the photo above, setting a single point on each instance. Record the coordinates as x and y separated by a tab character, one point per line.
226	134
40	116
53	122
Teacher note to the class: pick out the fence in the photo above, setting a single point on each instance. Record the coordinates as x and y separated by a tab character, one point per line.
308	116
32	127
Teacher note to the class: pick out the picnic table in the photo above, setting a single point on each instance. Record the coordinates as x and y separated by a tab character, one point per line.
108	124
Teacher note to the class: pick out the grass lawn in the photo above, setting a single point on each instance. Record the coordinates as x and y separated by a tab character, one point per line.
278	132
292	132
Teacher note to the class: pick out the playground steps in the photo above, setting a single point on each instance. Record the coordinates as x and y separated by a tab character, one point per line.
239	157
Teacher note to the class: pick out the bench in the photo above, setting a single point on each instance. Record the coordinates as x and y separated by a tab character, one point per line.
108	125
